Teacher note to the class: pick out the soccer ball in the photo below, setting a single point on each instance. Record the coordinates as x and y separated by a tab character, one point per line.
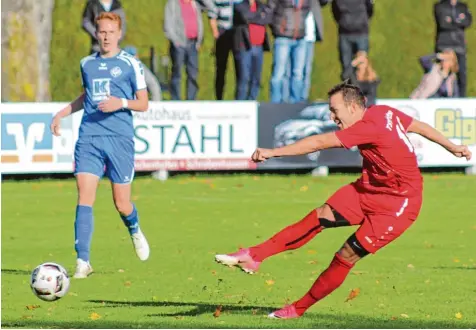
49	281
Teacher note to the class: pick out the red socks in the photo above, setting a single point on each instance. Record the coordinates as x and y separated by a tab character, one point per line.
328	281
290	238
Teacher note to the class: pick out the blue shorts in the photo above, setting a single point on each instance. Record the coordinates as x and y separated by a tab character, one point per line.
112	155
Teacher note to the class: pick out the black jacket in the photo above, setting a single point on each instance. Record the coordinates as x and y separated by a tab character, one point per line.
289	20
451	34
92	10
242	16
352	16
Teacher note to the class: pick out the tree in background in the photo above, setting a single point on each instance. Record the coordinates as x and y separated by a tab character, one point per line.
26	38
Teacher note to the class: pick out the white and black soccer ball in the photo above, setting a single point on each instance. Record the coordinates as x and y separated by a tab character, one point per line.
49	281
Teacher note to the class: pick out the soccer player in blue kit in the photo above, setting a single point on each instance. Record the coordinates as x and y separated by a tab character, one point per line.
114	85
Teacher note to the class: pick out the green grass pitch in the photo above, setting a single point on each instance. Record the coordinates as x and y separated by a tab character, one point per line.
425	279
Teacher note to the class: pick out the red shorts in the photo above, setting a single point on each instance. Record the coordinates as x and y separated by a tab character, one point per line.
382	217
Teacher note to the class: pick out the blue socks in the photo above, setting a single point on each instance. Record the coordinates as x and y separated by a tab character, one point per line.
83	231
131	221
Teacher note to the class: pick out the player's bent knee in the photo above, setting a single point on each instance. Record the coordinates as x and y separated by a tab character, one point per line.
348	254
353	248
124	207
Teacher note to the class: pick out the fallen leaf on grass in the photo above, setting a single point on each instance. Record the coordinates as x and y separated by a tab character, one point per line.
311	252
218	311
214	272
456	260
304	188
459	316
127	283
411	266
353	294
179	317
27	317
32	307
269	282
312	262
356	272
405	316
121	270
393	318
240	185
94	316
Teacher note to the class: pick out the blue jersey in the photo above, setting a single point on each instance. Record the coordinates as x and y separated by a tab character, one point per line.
120	76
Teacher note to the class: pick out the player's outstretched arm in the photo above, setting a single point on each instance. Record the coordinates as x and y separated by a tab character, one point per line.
71	108
305	146
434	135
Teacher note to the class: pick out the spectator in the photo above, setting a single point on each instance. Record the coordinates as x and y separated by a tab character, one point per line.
352	17
153	85
362	74
440	78
452	18
93	9
288	26
183	27
250	41
221	22
311	38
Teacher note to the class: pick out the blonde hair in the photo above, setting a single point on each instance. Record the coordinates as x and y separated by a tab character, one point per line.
366	73
451	53
110	16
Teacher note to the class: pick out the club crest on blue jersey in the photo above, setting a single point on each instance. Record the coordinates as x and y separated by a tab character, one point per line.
116	71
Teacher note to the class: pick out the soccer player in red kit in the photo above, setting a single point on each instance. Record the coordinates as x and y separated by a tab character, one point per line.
383	202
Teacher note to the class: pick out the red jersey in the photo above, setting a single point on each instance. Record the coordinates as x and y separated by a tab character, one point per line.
389	161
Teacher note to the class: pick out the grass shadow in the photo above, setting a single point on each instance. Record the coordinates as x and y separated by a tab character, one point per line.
197	308
16	272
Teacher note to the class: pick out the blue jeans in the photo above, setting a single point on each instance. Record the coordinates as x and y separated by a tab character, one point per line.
349	45
250	63
307	74
286	51
185	55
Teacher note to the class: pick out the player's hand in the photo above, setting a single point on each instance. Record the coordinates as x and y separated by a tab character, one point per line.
461	151
261	154
110	104
55	125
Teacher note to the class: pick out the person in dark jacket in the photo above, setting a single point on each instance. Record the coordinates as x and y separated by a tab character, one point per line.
93	9
288	27
250	41
352	18
452	18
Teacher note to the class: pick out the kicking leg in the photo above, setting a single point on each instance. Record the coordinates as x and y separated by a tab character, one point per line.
290	238
341	209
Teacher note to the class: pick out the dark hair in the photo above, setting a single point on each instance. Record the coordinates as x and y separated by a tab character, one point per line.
350	93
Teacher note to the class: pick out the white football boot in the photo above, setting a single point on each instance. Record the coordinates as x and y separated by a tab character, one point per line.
83	269
140	244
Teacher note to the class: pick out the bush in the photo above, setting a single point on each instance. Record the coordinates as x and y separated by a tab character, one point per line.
401	31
